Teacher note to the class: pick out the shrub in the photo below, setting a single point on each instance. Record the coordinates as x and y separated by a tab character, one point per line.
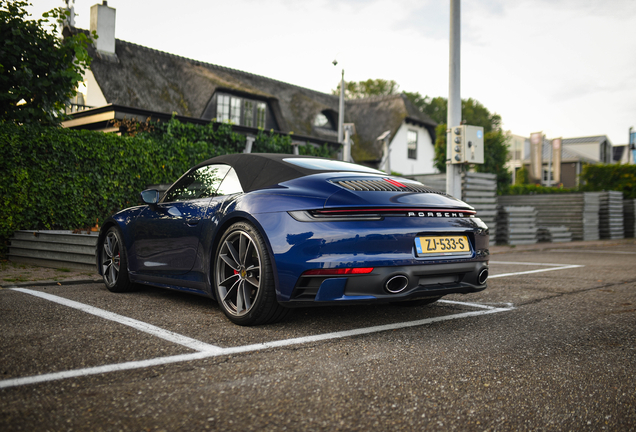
610	177
522	176
531	189
55	178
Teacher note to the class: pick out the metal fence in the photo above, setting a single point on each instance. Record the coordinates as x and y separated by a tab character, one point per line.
559	217
478	189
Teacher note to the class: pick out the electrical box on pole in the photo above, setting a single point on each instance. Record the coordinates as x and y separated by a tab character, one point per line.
467	144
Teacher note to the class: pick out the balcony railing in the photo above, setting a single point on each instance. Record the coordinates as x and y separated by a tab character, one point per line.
74	107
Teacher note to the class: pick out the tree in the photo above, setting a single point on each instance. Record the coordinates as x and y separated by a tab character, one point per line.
473	113
39	71
522	177
370	87
439	158
495	158
435	108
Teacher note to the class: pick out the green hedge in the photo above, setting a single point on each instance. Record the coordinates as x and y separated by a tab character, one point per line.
531	189
55	178
593	178
610	177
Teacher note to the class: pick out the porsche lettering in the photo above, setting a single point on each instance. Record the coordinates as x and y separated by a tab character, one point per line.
438	214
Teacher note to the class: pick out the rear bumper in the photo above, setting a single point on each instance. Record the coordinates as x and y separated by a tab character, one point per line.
413	282
387	245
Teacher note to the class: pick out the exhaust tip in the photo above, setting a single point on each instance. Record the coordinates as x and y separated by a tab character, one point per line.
483	276
396	284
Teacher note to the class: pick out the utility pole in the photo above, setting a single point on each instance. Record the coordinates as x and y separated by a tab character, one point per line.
630	147
349	131
341	109
454	116
549	163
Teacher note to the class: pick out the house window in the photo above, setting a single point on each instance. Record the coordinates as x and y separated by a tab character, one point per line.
545	176
411	144
248	113
235	110
321	120
516	150
223	108
240	111
605	152
325	120
261	108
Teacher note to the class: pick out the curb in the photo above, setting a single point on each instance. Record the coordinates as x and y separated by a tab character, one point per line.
538	247
51	282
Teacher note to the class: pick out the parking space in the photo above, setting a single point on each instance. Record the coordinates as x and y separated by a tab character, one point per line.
548	317
125	343
94	331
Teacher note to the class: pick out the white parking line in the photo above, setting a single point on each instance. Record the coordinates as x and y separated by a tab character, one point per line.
528	263
204	350
366	330
138	325
598	252
207	351
551	265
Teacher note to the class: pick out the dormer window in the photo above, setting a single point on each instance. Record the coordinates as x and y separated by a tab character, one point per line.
241	111
322	120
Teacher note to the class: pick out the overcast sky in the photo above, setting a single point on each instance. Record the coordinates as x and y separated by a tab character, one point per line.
564	67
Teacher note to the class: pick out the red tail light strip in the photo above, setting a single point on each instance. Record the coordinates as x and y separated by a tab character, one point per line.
338	271
417	212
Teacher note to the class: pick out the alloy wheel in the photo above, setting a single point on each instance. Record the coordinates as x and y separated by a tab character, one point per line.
238	273
111	259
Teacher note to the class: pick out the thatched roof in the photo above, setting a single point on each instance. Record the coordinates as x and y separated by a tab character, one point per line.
148	79
375	115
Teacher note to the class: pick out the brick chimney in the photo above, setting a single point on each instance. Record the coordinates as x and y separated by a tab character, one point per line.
103	22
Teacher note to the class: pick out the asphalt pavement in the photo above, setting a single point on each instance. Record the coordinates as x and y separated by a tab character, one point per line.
550	345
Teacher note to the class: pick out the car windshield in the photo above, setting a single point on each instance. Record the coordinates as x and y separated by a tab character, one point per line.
329	165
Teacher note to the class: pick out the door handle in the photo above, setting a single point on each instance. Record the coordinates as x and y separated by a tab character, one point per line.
194	221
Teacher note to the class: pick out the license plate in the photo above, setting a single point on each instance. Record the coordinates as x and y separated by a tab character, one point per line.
445	245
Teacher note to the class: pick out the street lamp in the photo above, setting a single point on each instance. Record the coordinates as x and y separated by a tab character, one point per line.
340	107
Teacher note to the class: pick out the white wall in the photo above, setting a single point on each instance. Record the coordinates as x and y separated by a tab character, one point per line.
399	152
626	156
516	153
590	150
94	96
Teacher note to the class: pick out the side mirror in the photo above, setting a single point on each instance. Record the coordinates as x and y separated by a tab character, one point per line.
150	196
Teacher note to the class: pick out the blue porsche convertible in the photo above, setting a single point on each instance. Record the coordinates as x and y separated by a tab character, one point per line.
262	233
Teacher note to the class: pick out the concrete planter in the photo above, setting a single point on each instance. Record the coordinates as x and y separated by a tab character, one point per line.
55	249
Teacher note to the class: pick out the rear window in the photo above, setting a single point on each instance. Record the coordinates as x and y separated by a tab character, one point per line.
329	165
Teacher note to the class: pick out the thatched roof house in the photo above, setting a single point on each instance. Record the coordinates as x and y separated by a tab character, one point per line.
132	78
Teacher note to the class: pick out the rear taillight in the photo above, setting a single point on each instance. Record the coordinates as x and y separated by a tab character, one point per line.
375	214
339	271
392	211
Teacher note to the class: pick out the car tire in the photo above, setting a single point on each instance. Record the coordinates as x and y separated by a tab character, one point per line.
417	302
114	263
244	278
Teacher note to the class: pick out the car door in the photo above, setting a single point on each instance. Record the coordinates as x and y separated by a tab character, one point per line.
166	235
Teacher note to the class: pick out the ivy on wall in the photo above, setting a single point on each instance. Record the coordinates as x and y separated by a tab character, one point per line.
56	178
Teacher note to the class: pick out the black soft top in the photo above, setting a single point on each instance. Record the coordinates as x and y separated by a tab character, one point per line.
260	170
